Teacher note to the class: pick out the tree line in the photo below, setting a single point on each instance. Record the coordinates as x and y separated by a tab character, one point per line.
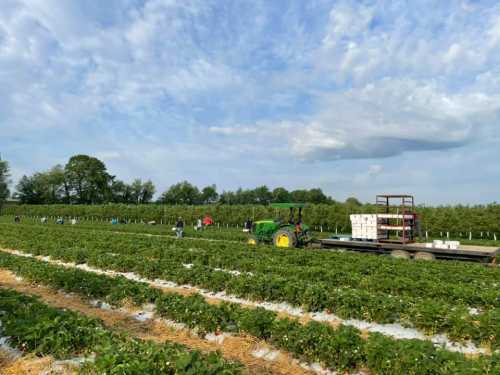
85	180
84	188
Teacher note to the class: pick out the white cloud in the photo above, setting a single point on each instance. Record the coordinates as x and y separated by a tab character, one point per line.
393	117
236	130
254	84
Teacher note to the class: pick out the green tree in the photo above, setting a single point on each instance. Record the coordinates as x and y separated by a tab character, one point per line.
29	190
298	196
54	184
262	195
121	192
209	194
43	187
181	193
88	179
4	181
147	192
280	195
316	196
353	202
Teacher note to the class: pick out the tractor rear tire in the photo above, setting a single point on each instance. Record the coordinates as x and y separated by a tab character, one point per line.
422	255
400	254
252	240
284	238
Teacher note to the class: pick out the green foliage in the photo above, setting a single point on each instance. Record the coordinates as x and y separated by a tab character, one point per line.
434	297
37	328
341	348
483	219
4	181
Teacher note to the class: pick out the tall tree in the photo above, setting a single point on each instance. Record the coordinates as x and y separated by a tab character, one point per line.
88	179
29	190
316	196
142	192
298	196
55	185
262	195
4	181
209	194
281	195
181	193
147	192
121	192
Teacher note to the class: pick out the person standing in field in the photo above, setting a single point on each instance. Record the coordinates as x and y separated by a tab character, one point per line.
17	219
179	228
207	221
199	225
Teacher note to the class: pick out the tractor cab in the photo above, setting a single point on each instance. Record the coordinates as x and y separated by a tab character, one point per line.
290	232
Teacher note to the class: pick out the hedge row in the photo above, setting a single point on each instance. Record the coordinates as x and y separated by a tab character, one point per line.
455	219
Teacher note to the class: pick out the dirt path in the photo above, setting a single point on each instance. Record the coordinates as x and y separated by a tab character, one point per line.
238	348
31	365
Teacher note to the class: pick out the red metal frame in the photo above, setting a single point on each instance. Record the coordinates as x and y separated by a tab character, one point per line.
405	207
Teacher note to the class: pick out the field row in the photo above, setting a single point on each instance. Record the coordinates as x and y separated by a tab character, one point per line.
229	233
154	258
34	327
341	348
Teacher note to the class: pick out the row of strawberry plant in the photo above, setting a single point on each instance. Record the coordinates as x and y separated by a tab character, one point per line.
468	284
342	348
34	327
430	315
195	312
214	232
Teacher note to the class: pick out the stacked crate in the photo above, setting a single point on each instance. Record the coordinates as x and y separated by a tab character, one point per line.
364	226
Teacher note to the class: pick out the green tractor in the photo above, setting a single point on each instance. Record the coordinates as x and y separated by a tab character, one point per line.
279	232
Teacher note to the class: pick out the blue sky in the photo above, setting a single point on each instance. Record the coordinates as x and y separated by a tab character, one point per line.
356	97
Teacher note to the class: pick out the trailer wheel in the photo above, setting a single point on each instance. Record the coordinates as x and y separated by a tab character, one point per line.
422	255
400	254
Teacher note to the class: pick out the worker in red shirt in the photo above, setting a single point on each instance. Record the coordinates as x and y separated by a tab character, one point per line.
208	221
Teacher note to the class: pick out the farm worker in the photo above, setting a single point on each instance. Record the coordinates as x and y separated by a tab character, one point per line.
179	228
73	221
17	219
248	225
44	220
207	221
114	221
199	225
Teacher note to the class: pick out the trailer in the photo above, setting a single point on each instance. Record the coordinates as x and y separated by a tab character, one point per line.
483	254
393	231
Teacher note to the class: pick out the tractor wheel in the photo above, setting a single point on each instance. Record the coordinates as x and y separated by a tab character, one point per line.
284	238
422	255
401	254
252	240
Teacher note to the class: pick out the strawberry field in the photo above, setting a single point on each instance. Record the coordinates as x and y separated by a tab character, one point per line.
326	310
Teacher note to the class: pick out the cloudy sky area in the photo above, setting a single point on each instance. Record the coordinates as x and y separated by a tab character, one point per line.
357	97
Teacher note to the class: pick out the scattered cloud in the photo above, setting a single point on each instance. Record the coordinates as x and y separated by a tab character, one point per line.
272	86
